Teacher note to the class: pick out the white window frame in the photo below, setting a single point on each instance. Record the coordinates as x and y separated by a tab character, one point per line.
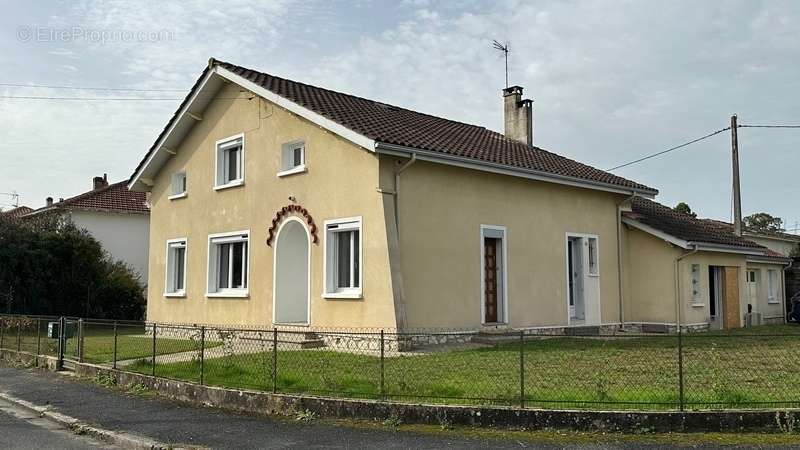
212	261
287	158
482	296
772	291
219	148
593	270
169	263
176	195
329	290
696	279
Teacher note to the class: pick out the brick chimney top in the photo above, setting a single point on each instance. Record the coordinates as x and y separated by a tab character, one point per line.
48	201
100	182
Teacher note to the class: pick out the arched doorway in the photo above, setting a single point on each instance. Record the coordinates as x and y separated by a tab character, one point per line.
291	274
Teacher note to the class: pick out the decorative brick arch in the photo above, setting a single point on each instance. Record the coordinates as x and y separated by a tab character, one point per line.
285	211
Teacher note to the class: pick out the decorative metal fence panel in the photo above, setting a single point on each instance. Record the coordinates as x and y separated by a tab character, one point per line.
749	368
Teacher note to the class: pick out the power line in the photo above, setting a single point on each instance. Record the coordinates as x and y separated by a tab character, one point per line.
769	126
89	88
671	149
31	97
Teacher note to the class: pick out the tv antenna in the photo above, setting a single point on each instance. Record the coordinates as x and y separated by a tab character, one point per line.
14	198
504	49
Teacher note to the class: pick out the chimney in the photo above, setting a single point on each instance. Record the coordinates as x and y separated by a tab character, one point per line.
100	182
518	115
48	201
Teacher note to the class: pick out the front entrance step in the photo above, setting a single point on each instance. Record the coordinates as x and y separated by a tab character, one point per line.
301	341
582	331
495	337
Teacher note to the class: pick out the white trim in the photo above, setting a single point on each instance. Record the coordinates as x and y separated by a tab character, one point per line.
159	146
333	127
657	233
177	196
275	271
485	166
182	292
229	293
482	296
353	293
221	145
297	169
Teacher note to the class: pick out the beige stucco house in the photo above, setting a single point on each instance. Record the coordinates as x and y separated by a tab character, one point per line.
280	203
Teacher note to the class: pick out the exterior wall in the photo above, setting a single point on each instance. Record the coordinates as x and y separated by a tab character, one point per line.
441	210
124	236
776	245
340	182
770	312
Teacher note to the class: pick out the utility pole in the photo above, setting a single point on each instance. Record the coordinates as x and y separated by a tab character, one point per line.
737	194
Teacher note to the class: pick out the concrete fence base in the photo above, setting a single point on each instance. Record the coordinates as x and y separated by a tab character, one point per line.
480	416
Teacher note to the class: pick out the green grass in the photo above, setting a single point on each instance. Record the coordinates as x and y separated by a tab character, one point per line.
721	370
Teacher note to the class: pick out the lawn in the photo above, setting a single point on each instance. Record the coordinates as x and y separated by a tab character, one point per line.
737	369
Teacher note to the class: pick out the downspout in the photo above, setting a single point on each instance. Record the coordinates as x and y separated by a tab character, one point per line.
619	260
678	302
785	291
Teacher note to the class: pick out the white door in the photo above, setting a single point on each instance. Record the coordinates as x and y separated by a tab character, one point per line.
752	288
291	291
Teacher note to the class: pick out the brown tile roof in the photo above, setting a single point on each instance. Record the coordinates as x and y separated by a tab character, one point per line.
683	226
112	198
16	212
766	233
399	126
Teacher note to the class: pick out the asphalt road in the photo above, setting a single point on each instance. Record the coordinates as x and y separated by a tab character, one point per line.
23	430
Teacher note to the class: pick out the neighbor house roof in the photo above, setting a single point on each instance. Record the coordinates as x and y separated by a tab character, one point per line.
758	232
684	227
112	198
16	212
390	127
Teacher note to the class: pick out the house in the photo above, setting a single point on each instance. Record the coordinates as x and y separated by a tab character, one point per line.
16	212
279	203
116	217
777	241
700	274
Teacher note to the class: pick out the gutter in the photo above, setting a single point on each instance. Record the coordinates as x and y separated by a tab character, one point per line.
619	259
442	158
678	302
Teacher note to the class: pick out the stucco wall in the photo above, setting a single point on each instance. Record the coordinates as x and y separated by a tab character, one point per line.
124	236
340	182
441	211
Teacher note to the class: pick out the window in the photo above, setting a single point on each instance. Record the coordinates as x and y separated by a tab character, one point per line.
772	286
343	258
293	158
697	296
176	268
593	263
230	161
178	189
228	256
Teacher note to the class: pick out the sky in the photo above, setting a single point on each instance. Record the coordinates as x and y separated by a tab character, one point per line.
611	81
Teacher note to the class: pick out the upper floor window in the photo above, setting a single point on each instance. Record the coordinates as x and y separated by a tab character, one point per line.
228	264
178	187
343	257
176	268
293	158
230	161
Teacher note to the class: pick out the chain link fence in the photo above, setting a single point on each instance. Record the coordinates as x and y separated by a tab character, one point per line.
749	368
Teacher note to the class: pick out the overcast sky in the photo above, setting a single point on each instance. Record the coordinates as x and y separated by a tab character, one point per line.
611	81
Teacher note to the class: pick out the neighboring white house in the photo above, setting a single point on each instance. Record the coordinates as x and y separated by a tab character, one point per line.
118	218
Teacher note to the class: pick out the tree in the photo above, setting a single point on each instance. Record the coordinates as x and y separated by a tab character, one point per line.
50	267
763	221
684	208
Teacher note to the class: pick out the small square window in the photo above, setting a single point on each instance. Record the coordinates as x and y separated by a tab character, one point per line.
176	267
293	158
178	188
343	258
228	264
230	161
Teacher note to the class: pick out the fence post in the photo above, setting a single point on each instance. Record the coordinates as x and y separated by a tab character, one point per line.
521	369
680	369
62	342
19	334
38	340
80	340
274	360
202	353
2	330
154	348
383	371
114	366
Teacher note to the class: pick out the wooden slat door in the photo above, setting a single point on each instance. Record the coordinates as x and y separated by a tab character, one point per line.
490	279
